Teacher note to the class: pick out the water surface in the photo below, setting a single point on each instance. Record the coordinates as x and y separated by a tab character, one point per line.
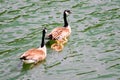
92	53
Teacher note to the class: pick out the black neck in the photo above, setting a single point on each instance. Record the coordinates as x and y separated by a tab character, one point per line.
43	37
65	20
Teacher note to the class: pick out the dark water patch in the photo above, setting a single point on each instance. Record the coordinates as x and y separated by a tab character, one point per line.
12	76
114	9
17	76
80	4
85	73
28	36
72	55
25	39
110	50
110	11
8	20
1	1
25	15
6	51
27	67
107	15
97	31
106	76
54	25
3	12
27	6
16	41
33	10
15	18
52	65
112	60
116	66
46	12
13	12
9	51
92	27
65	71
81	20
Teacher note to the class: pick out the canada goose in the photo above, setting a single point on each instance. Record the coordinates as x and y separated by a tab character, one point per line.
60	34
35	55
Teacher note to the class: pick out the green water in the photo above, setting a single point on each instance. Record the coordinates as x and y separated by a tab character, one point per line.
93	50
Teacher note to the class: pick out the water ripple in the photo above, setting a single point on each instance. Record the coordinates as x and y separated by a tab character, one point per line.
92	52
85	73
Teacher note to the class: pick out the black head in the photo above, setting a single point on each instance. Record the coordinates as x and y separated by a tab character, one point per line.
67	12
44	30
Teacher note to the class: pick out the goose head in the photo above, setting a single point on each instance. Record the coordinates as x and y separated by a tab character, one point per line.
67	12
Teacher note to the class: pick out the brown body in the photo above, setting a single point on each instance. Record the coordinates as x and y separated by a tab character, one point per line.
35	55
60	33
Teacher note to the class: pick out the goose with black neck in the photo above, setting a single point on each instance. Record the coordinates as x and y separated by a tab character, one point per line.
35	55
60	34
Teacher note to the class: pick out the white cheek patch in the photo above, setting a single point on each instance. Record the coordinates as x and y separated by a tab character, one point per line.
67	13
45	30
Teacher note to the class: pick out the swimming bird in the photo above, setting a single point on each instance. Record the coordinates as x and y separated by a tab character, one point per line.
61	33
35	55
57	46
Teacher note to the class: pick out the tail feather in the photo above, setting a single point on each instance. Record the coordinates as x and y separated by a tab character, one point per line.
23	58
